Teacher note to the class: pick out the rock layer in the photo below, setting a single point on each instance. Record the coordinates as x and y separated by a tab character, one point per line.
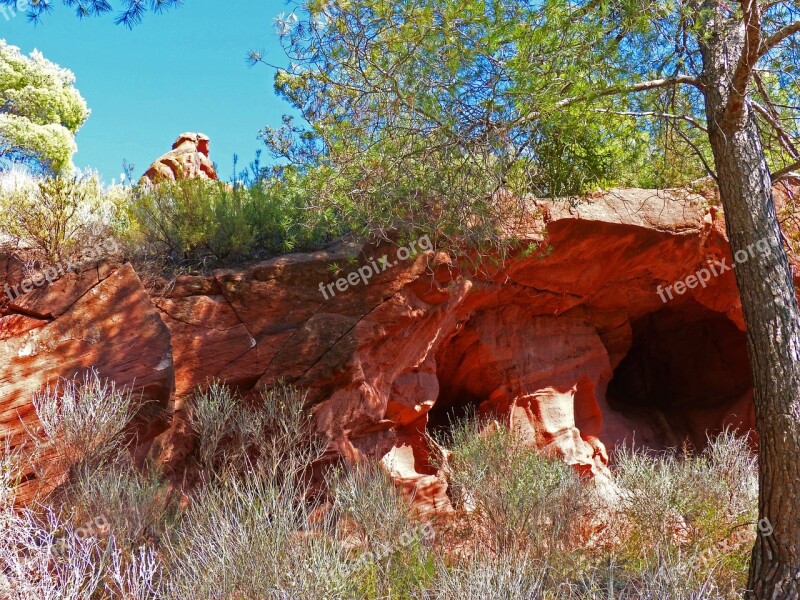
569	342
100	317
535	344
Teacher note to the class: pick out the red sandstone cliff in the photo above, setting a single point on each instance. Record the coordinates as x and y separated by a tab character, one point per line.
570	343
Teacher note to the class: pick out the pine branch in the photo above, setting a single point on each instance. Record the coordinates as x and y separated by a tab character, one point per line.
786	172
747	61
777	37
618	90
624	113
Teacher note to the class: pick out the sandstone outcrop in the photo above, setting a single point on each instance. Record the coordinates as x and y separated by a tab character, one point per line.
572	344
188	159
569	342
100	317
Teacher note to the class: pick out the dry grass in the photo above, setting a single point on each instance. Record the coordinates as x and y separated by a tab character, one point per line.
259	528
82	419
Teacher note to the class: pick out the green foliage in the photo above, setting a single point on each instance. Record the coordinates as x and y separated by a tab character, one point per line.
682	507
41	110
189	220
519	498
373	511
417	114
196	222
53	216
424	115
697	499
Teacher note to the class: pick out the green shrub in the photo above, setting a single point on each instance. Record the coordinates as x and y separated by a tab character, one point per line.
682	506
286	217
687	500
516	497
54	217
392	549
195	223
189	219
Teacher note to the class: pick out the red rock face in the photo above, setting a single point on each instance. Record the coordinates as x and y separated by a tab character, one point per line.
542	374
99	318
570	343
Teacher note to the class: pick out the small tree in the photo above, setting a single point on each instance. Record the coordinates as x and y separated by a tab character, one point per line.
40	110
52	216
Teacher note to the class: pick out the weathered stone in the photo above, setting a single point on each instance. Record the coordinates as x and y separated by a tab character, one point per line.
571	344
188	159
111	326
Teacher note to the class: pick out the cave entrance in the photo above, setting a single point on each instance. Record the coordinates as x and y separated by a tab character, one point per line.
687	372
452	406
460	393
468	373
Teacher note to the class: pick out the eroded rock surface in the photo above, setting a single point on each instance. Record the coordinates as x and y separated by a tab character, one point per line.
100	317
571	342
535	344
188	159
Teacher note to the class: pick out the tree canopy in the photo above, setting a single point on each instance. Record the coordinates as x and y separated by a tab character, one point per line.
41	110
413	104
551	98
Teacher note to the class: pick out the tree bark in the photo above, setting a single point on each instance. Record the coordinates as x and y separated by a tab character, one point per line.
771	315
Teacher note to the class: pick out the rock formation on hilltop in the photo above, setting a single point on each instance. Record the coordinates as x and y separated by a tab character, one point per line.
188	159
571	343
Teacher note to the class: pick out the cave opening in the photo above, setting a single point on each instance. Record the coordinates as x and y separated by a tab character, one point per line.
458	398
451	407
687	374
467	376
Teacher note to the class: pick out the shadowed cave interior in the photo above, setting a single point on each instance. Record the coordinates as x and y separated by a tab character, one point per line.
685	374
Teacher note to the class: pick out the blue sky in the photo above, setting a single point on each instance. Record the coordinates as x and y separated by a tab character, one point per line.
183	70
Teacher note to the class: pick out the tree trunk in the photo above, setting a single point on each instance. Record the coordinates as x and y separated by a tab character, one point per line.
771	315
